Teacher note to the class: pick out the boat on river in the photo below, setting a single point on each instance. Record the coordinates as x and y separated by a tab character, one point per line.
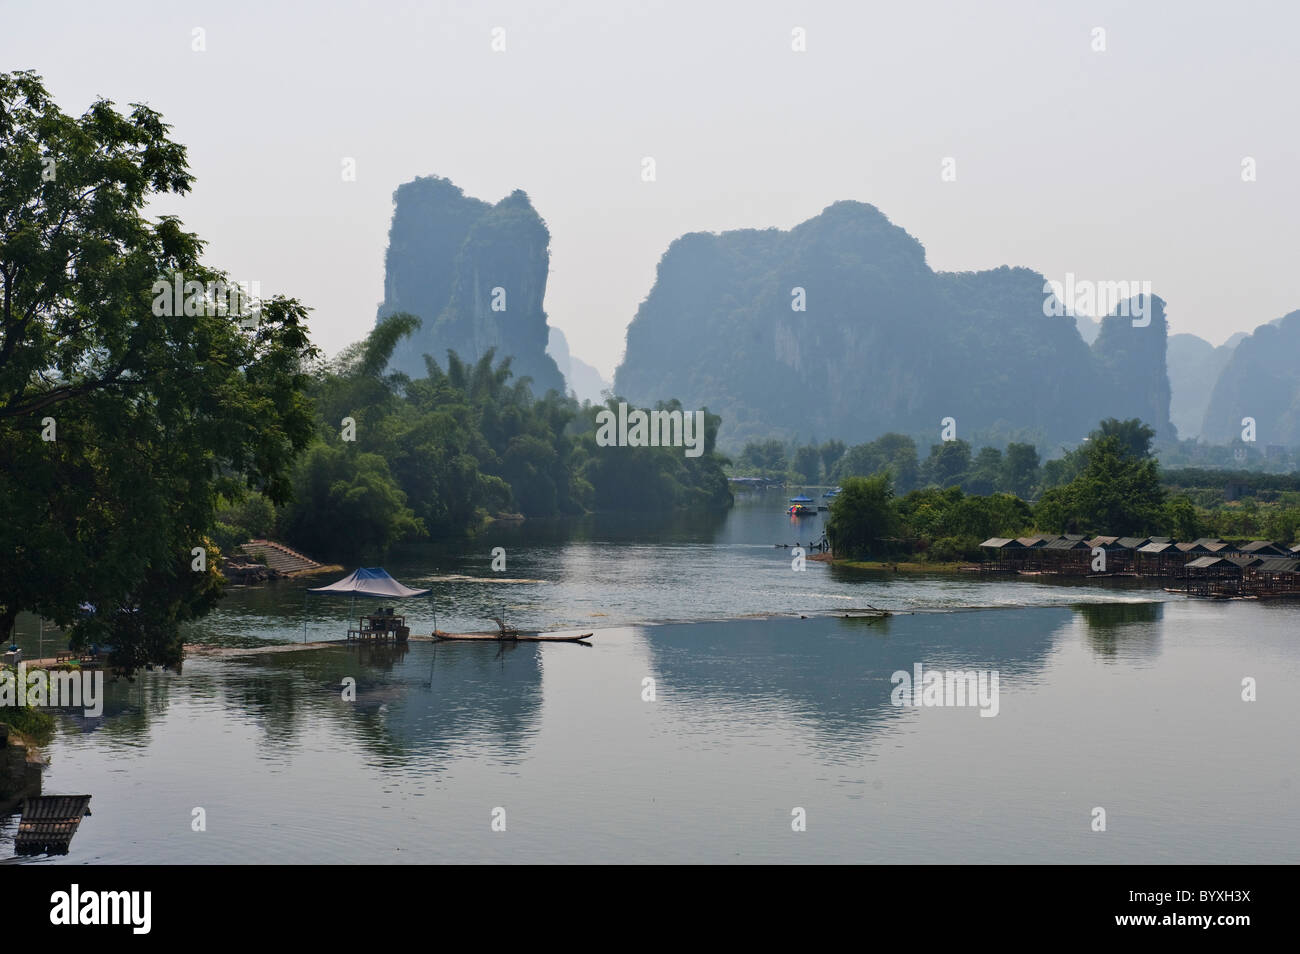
513	637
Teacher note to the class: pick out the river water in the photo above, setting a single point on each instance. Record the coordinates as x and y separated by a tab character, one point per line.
725	712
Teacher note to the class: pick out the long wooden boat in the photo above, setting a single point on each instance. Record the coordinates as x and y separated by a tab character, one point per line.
513	637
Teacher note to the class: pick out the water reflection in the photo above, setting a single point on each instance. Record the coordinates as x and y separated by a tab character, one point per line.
836	673
1128	630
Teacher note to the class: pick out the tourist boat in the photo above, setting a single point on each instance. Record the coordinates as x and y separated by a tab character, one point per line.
799	510
801	499
833	492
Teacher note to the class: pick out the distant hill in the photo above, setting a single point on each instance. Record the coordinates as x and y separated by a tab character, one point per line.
1261	380
474	273
885	343
582	379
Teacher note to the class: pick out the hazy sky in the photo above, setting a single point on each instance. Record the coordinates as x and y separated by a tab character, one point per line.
1117	165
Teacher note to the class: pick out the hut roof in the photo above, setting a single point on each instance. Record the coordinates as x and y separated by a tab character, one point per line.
1195	547
1208	562
1066	543
1156	546
1033	541
1264	547
1278	565
1132	543
998	543
1107	542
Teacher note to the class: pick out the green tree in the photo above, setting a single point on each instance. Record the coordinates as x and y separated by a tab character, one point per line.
1134	436
1117	493
347	505
1180	520
948	465
124	423
1019	470
808	463
893	452
831	452
985	473
863	517
768	457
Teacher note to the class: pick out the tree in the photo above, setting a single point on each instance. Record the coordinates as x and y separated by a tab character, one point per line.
1019	470
985	473
124	423
893	452
347	505
863	517
1117	493
808	463
948	465
831	452
1180	520
1134	436
764	456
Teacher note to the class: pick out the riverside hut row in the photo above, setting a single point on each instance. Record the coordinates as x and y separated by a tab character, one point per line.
1204	567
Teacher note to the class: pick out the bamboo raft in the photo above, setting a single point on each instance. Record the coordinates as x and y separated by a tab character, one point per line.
513	636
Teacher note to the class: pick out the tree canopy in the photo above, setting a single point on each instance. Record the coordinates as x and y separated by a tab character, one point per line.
122	427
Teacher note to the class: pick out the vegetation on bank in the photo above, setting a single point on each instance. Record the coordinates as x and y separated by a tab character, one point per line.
400	459
1111	484
35	725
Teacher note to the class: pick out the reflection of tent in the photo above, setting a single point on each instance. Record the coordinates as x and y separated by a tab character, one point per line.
369	581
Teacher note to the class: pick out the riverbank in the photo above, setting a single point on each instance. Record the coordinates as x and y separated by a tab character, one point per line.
891	566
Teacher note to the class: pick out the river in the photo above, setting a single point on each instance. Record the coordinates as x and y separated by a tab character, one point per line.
725	712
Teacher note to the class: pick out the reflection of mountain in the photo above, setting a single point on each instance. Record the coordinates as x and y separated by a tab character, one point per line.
837	672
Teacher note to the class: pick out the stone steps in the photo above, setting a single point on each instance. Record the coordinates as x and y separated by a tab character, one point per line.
279	557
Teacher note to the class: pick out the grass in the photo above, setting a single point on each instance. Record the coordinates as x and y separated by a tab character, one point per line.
32	724
903	567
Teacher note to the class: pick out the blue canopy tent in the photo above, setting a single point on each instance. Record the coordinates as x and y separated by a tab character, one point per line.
366	581
370	581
